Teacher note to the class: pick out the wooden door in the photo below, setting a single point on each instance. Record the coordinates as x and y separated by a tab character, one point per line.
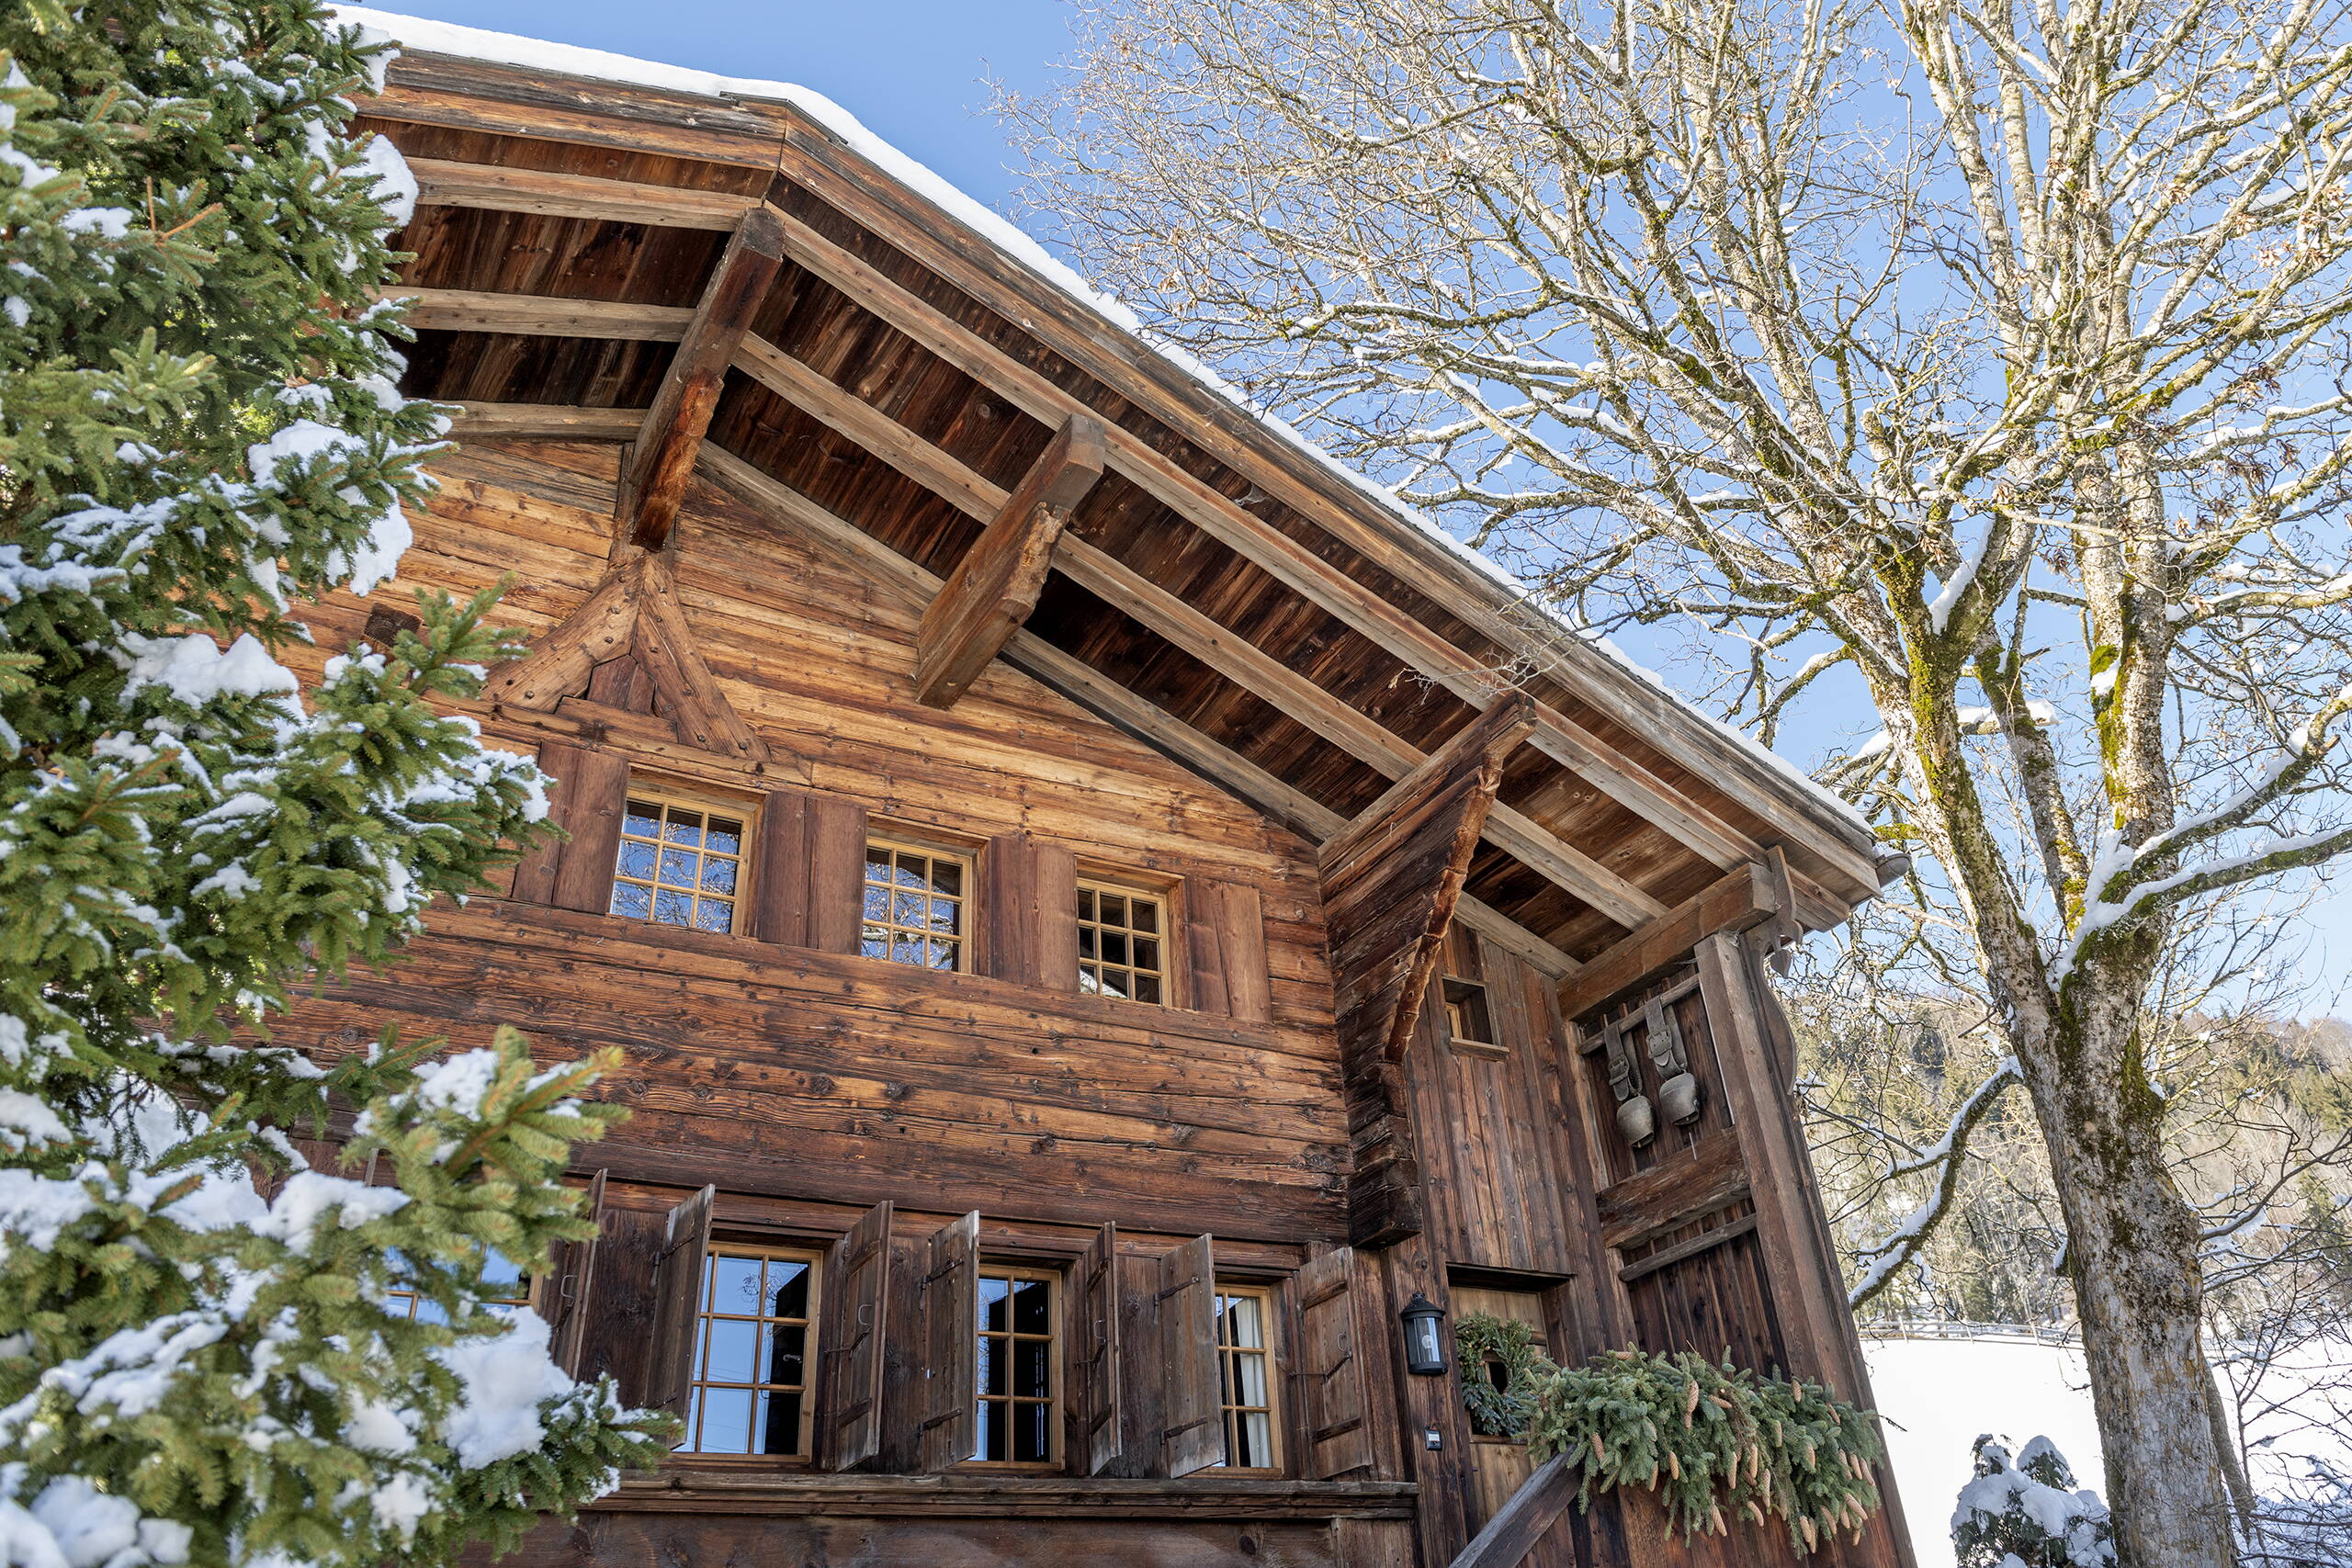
1498	1465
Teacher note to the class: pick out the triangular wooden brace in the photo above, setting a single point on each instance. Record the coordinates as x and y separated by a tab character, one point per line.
635	613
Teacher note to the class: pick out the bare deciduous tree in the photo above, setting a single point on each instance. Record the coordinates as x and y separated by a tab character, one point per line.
1985	359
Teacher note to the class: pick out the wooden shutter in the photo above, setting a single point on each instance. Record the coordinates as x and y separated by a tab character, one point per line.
857	1288
532	880
810	871
1096	1324
1190	1403
570	1275
1225	941
1329	1374
951	1289
677	1303
591	793
1028	909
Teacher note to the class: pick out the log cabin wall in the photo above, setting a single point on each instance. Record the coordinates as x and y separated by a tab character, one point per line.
823	516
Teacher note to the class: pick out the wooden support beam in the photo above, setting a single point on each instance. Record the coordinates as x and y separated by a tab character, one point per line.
995	586
544	422
539	315
1230	654
653	483
1486	741
499	188
1531	1512
1731	904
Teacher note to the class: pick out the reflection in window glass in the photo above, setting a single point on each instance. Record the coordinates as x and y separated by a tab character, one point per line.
679	866
1016	1373
914	906
752	1355
1244	1365
1122	944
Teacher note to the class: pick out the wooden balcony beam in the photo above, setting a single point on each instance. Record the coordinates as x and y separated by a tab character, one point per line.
992	590
654	474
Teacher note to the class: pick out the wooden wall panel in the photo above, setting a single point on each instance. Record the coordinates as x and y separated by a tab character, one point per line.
719	1540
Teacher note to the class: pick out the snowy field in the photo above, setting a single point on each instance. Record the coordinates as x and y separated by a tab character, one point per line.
1939	1394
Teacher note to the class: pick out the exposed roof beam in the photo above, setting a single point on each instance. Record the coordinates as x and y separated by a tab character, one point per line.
539	315
575	196
993	588
1733	903
545	422
1091	689
654	474
1484	742
1233	656
499	188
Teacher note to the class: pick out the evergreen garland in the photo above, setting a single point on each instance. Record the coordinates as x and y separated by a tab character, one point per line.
1480	1337
1714	1442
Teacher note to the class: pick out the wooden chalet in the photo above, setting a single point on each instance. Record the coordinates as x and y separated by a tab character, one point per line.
1101	909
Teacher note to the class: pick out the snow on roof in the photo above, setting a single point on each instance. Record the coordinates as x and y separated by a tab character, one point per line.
509	48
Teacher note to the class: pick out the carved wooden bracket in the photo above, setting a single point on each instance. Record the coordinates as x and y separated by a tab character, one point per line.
628	657
995	586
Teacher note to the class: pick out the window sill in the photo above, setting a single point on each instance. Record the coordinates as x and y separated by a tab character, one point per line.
983	1493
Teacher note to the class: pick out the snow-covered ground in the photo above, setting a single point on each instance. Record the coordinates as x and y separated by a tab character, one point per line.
1939	1394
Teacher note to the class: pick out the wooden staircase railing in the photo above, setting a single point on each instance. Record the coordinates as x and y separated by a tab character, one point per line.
1540	1499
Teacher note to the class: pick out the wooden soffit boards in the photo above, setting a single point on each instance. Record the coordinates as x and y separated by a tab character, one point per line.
1391	881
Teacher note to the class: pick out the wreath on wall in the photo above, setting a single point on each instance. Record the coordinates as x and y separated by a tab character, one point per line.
1500	1366
1713	1441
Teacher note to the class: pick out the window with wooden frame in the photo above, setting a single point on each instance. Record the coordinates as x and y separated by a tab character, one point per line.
680	863
1122	942
1018	1375
917	904
1469	1023
514	1292
753	1352
1245	1357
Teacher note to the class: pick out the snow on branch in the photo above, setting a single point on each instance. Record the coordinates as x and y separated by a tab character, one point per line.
1945	1155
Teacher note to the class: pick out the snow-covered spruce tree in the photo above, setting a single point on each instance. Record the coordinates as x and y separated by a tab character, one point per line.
1980	368
2029	1513
198	428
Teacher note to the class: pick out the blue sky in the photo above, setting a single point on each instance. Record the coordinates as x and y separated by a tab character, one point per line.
917	73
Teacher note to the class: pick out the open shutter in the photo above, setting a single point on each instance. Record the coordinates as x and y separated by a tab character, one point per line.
809	869
588	802
1195	1412
1226	941
1329	1375
1097	1325
1029	909
858	1286
677	1303
951	1288
571	1276
532	880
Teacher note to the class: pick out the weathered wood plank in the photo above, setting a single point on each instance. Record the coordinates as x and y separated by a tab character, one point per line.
995	586
545	421
444	183
1731	903
534	315
1532	1510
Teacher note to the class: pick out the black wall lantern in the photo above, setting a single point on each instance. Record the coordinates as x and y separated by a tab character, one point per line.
1424	1337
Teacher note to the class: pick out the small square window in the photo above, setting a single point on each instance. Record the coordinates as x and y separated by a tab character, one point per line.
1122	944
681	863
915	904
1468	1019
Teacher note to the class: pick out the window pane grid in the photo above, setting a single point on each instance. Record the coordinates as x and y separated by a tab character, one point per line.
403	1302
914	906
679	864
1016	1421
1122	944
1245	1373
752	1355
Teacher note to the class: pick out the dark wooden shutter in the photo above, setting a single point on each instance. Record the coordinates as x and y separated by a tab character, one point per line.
857	1288
810	871
1096	1324
533	877
677	1303
1191	1404
1329	1374
951	1289
1028	909
590	795
571	1277
1225	938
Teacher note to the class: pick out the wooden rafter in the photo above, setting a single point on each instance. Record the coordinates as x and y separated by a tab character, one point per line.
995	586
1098	694
1568	743
653	482
545	422
539	315
1733	903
